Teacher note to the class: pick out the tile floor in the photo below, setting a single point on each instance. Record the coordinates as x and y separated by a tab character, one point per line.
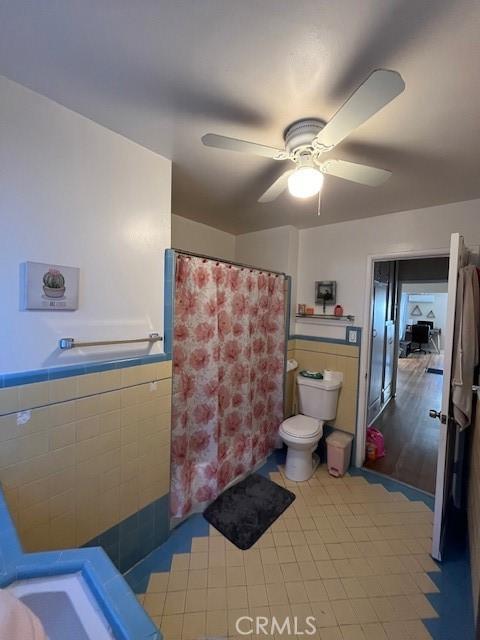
352	554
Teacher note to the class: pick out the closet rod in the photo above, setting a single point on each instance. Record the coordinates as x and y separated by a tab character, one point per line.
235	264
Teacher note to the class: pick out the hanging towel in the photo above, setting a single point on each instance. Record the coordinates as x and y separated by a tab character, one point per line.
465	345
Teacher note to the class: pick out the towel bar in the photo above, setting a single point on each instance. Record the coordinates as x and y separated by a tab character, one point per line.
70	343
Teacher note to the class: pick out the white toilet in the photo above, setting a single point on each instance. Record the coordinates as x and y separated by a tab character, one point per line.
302	433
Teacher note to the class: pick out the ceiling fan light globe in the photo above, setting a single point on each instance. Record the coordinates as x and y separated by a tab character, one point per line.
305	182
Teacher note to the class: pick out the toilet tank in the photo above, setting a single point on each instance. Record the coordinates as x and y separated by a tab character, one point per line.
318	398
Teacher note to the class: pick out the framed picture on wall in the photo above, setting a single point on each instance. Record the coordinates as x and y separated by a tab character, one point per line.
48	287
325	292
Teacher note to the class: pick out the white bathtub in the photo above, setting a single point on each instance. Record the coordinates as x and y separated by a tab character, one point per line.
65	605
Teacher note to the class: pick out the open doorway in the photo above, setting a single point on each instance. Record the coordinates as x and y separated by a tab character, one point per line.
409	308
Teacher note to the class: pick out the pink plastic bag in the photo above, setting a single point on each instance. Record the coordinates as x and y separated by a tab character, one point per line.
375	437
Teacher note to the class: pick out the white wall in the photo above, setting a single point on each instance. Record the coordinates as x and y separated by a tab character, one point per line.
74	193
201	238
340	251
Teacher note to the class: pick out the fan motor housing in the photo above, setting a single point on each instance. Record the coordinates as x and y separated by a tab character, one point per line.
302	132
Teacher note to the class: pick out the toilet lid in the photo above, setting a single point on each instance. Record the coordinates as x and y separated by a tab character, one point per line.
302	426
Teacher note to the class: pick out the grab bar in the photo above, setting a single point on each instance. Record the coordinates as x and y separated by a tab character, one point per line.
70	343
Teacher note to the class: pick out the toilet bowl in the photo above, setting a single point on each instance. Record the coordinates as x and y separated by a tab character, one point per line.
301	433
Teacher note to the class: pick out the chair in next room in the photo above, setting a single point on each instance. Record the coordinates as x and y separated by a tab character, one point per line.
420	336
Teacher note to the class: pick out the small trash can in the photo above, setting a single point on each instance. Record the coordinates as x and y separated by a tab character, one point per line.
339	449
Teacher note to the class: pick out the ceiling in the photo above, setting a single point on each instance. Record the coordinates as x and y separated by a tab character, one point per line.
164	72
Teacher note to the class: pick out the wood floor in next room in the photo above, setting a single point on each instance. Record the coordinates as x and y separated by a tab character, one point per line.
411	436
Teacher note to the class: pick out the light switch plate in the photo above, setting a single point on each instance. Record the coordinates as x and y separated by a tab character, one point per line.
352	336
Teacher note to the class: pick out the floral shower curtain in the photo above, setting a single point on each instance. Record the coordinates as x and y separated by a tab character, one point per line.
228	365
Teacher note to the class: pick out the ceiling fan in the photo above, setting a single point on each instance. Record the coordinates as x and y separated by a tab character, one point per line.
306	141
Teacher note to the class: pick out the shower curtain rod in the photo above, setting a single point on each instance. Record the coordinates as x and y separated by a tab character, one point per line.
235	264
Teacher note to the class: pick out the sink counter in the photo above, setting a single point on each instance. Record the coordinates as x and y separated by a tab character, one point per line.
118	604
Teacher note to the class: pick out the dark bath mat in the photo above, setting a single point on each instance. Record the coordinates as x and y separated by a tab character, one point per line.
244	512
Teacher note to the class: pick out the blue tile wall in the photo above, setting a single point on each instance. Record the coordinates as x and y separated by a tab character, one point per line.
135	537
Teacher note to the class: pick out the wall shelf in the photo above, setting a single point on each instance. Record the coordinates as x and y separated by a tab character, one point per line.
325	316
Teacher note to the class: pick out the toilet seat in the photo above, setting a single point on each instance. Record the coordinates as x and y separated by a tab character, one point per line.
300	426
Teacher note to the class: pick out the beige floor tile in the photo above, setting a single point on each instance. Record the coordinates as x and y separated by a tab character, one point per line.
194	625
234	558
251	556
353	588
257	596
180	562
269	556
313	537
198	579
272	573
286	554
158	582
336	551
178	581
301	611
302	554
216	599
292	524
324	614
297	539
326	569
174	602
199	545
334	589
374	631
424	583
237	597
383	608
364	612
254	574
353	632
233	616
216	623
236	576
291	572
330	633
199	560
319	552
216	544
196	600
276	593
395	631
344	612
297	593
215	559
153	603
308	570
213	532
171	627
316	591
216	577
422	606
416	630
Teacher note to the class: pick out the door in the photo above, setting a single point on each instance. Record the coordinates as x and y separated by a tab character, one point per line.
446	446
378	349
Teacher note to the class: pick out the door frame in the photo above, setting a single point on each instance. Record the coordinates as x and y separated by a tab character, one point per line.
367	333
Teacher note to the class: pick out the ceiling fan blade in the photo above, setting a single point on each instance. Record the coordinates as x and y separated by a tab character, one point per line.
378	90
361	173
233	144
278	187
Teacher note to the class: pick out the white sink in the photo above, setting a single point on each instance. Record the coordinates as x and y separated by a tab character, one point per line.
64	604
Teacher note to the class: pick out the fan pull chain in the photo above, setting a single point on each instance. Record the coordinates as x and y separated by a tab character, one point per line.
319	201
